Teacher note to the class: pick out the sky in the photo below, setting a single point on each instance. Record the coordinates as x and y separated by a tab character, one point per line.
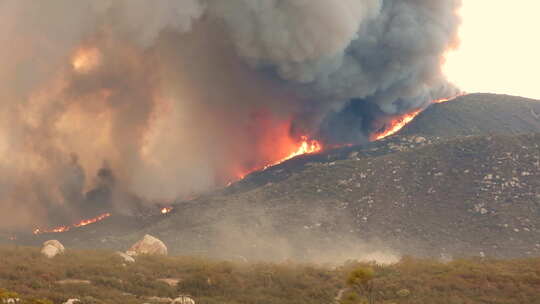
500	48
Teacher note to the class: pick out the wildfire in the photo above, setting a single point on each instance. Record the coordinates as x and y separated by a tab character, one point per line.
395	125
166	210
306	146
82	223
86	59
91	221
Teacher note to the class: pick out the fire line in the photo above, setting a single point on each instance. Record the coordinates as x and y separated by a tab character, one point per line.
82	223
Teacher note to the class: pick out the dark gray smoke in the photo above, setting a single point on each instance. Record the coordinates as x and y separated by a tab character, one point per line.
107	104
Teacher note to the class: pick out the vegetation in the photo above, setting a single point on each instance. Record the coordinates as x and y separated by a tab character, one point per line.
361	281
25	271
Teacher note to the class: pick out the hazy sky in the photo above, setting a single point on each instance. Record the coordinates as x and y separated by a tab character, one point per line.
500	48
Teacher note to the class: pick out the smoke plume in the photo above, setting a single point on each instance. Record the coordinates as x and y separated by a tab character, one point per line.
110	104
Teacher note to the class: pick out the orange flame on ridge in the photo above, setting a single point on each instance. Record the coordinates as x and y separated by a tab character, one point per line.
307	146
93	220
396	125
82	223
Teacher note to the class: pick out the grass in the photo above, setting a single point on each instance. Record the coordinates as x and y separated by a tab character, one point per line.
25	271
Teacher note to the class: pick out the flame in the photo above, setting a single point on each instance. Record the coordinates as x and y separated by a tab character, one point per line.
398	123
166	210
306	146
93	220
395	125
82	223
86	59
441	100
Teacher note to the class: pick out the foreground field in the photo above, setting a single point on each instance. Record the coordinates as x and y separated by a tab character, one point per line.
103	277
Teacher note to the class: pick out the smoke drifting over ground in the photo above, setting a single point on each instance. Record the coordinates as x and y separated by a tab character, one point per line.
108	104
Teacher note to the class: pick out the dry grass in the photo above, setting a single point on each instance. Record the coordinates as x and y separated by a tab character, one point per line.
26	272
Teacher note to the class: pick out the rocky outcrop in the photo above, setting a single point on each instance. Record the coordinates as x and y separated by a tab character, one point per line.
125	257
52	248
73	282
183	299
158	300
170	282
149	245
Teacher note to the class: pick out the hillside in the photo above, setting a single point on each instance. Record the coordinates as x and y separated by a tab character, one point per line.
478	114
432	190
468	196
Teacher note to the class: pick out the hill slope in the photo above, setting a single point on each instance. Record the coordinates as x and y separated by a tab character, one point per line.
478	114
432	190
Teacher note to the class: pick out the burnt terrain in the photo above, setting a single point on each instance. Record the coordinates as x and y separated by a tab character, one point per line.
463	179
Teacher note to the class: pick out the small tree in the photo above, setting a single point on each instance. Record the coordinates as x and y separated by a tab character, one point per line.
361	281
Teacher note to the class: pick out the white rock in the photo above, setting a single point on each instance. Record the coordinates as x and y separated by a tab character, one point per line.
72	301
50	251
183	299
73	282
420	140
148	245
169	281
56	244
159	300
127	258
52	248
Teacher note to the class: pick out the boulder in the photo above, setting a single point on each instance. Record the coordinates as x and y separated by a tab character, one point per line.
73	282
148	245
183	299
125	257
159	300
52	248
170	282
72	301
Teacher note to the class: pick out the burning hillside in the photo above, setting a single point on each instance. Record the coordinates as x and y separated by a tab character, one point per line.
113	105
76	225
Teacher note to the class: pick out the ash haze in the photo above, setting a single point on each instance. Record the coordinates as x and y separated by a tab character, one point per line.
107	105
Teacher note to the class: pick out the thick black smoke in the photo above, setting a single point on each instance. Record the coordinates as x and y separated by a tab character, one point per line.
108	104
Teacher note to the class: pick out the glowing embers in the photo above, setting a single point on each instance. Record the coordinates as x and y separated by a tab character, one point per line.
82	223
166	210
85	60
